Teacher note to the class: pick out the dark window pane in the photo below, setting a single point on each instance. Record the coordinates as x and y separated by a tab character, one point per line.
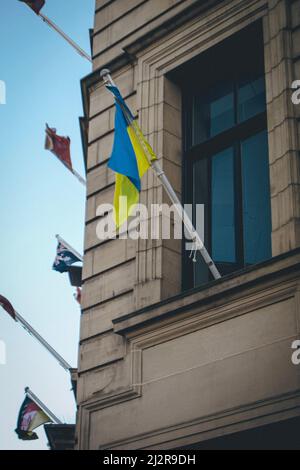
221	114
223	208
256	199
251	99
212	113
201	196
200	121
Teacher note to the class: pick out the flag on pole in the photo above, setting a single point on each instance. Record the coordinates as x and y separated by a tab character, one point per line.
59	146
64	259
128	159
7	307
35	5
31	416
78	295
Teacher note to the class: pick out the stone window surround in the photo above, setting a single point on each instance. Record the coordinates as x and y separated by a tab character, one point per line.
153	88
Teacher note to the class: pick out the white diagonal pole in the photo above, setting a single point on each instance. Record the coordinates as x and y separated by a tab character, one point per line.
42	405
65	36
69	247
198	243
74	172
79	177
27	327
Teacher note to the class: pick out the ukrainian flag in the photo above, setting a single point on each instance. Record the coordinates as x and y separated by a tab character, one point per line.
130	159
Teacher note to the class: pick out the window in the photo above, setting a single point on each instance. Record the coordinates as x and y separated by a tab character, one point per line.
226	153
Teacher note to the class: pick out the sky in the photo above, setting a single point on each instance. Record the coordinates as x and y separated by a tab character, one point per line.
38	199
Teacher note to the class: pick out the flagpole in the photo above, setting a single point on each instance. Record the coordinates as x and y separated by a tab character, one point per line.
42	341
74	172
70	248
41	405
198	243
65	36
79	177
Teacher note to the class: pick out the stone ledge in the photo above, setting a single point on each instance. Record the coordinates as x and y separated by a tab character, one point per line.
129	324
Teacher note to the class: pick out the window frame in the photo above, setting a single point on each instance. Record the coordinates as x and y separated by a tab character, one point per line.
229	138
237	57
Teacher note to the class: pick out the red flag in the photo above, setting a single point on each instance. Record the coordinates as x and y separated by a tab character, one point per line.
78	295
58	145
35	5
7	307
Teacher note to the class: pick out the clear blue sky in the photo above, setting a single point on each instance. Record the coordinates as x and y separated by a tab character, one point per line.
39	198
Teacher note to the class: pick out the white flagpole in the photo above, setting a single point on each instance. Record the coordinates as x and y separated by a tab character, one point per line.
65	36
42	341
79	177
74	172
69	247
43	407
198	243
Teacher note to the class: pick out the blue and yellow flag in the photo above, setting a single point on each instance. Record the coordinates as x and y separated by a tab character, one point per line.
130	159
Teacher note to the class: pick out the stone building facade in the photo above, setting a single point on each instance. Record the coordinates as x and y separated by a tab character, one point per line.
169	358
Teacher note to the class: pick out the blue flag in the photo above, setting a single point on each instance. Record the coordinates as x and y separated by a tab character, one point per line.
64	259
129	159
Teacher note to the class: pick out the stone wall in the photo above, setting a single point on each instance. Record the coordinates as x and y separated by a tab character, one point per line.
282	55
197	367
142	41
